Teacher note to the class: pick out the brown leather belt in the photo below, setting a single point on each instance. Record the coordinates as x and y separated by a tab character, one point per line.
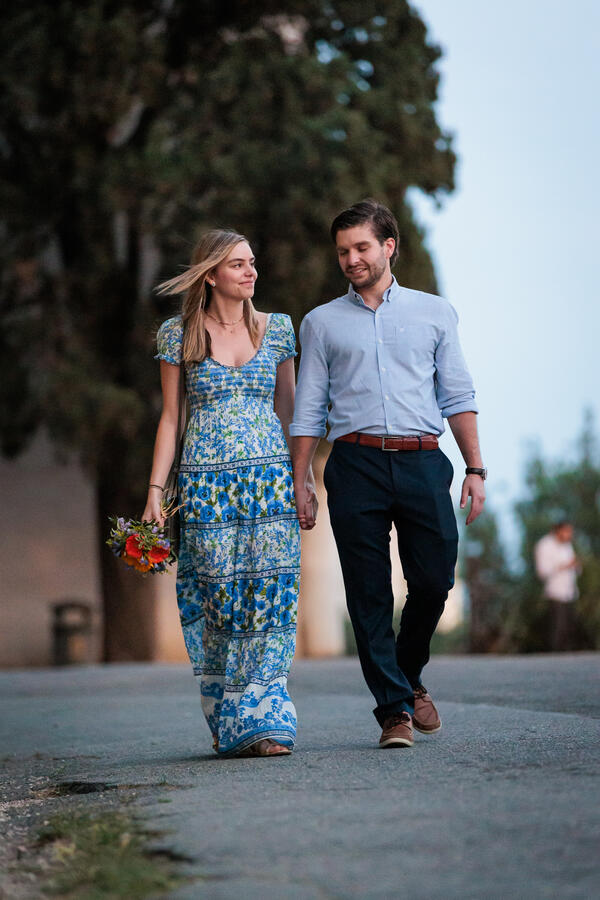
389	442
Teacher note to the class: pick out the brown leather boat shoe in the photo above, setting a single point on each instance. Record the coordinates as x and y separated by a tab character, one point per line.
426	718
397	731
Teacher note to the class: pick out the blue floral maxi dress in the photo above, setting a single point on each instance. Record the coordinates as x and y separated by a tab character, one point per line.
239	563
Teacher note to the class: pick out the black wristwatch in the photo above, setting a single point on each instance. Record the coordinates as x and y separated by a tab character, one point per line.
471	470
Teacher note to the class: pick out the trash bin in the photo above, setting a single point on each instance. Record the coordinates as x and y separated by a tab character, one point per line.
71	629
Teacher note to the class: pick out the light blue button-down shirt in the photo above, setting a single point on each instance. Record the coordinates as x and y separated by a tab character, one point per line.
395	370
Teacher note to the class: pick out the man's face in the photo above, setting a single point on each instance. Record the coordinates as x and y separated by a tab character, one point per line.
362	259
564	533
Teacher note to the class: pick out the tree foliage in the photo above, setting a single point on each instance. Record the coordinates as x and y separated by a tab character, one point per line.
508	611
127	128
561	490
490	584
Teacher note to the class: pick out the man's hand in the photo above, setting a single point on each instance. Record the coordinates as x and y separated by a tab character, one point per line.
473	487
464	429
306	504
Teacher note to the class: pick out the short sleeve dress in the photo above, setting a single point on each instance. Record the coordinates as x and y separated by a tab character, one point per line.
239	563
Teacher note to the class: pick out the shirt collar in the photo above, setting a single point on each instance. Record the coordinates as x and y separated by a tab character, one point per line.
388	295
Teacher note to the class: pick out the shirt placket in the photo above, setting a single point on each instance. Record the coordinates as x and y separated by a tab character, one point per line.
383	364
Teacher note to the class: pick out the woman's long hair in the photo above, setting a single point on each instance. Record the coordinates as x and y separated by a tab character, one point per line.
212	249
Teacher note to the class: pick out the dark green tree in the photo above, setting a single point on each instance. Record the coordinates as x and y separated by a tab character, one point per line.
126	128
490	585
561	490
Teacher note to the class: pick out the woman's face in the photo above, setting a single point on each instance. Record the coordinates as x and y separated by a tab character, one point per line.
234	278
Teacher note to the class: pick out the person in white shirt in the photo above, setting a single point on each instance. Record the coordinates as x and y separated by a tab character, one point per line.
557	566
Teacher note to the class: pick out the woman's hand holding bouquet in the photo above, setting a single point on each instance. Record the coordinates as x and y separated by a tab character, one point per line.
143	544
154	510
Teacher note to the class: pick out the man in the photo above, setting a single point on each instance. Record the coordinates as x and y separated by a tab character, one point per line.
388	362
557	566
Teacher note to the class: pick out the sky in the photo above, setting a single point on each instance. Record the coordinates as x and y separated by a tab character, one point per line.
516	247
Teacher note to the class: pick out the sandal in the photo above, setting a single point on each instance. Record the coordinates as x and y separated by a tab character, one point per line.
265	747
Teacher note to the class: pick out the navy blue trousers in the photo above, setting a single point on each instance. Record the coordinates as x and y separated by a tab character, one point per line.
367	490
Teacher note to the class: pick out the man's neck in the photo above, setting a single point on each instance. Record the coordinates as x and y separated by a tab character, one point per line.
373	296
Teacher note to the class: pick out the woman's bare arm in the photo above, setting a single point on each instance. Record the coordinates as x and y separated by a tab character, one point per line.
285	391
166	440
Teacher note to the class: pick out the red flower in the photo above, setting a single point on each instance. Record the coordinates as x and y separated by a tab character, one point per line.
132	546
157	554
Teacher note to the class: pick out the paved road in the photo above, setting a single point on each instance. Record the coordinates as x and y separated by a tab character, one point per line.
502	803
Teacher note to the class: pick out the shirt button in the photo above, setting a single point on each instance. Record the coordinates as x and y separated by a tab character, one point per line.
379	341
383	369
387	397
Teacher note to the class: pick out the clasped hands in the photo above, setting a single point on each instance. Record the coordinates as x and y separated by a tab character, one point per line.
306	503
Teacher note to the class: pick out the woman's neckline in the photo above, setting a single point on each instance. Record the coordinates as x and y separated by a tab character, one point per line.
252	358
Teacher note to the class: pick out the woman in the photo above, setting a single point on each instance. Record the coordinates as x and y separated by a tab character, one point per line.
239	563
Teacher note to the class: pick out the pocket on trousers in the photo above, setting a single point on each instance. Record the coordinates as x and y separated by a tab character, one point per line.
449	468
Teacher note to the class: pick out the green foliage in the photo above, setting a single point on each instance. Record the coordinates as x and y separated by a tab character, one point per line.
129	128
490	584
563	490
101	857
453	642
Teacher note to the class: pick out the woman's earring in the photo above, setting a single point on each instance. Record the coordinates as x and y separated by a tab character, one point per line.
212	283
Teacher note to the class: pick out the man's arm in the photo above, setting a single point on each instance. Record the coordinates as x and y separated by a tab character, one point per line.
464	429
456	399
546	564
310	418
304	487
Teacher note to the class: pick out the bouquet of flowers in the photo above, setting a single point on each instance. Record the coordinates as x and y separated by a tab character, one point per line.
142	545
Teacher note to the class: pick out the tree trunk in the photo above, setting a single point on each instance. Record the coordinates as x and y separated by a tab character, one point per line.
477	628
129	600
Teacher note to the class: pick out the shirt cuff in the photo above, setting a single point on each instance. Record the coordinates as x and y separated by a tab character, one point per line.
307	431
459	407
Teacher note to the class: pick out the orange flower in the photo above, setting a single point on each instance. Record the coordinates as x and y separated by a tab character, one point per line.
142	567
129	560
132	546
157	554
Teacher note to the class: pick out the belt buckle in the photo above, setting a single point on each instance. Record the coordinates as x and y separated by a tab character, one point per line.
388	449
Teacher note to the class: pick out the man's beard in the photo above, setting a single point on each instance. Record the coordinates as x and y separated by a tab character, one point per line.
375	273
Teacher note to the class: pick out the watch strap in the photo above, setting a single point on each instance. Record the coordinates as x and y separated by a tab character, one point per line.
474	470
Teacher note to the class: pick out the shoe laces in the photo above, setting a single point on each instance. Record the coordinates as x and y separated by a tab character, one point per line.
397	719
420	691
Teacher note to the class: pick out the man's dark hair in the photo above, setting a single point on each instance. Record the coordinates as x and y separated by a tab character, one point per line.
375	214
561	523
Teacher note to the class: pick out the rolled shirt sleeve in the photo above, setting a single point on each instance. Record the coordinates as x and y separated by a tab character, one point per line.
312	393
454	388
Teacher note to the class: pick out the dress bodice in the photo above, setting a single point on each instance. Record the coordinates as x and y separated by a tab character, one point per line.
231	407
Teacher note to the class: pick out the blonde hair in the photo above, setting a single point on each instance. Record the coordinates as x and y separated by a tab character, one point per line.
212	248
